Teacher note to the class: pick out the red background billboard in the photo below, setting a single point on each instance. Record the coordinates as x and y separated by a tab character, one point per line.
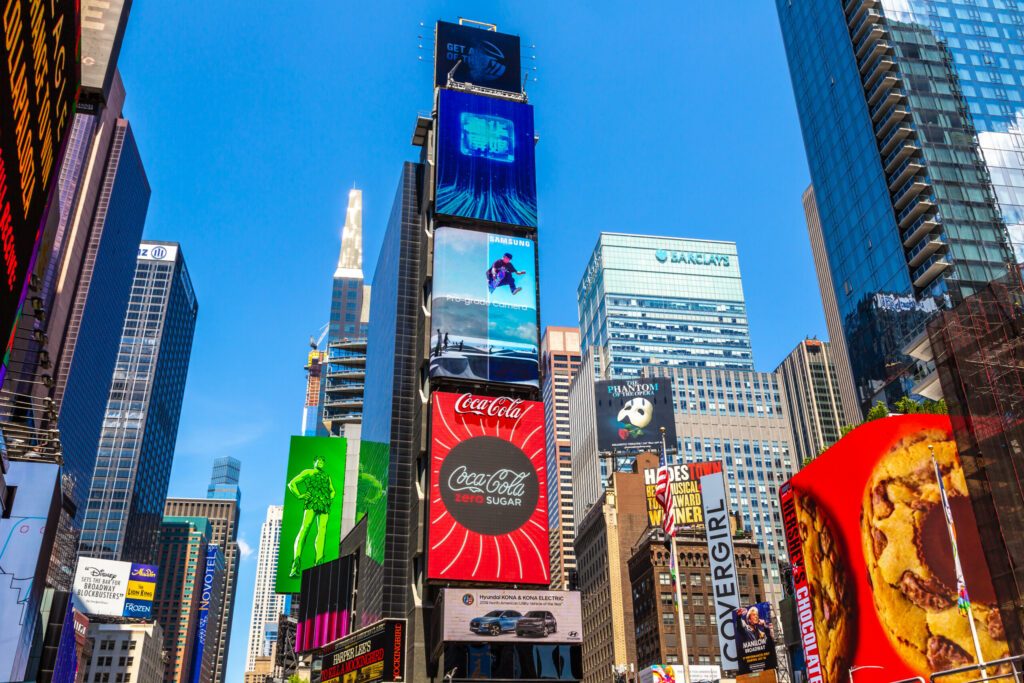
488	490
872	559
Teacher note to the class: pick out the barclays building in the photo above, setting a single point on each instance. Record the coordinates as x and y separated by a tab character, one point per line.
663	301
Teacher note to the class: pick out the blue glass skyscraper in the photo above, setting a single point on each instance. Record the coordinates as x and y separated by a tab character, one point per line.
663	301
133	462
909	111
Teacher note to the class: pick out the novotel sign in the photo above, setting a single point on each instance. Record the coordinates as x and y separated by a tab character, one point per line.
695	258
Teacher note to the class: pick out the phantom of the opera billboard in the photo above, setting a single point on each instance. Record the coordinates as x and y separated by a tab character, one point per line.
488	490
631	412
873	569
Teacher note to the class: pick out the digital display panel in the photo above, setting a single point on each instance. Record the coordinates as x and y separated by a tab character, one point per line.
874	576
325	604
484	308
478	56
686	496
376	654
488	482
631	412
502	614
311	524
755	638
109	588
486	163
39	75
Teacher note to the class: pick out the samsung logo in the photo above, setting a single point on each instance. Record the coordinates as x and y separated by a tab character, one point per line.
692	257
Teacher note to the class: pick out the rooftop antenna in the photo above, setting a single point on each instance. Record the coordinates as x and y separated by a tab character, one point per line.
419	37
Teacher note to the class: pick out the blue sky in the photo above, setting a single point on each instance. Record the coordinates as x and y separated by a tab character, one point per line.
255	118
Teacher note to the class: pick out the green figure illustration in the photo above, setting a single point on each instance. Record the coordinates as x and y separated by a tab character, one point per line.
317	498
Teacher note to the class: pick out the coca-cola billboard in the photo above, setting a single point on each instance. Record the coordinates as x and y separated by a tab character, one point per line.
488	484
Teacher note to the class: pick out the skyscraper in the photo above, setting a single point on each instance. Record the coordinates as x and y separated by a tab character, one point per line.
560	357
393	409
222	508
663	301
181	556
312	408
909	110
810	384
837	340
133	464
266	604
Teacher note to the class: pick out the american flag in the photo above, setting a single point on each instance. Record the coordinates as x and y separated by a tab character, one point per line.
663	494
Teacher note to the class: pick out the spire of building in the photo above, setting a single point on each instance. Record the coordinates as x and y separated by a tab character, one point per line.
350	261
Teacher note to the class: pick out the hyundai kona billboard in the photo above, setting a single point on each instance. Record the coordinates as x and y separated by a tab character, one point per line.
486	164
488	484
631	412
524	616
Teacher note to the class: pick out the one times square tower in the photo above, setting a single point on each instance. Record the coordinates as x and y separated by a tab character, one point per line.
453	372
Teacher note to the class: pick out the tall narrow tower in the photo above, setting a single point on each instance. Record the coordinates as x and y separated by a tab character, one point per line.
266	604
347	296
133	464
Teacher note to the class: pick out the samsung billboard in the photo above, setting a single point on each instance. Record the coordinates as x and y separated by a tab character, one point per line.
484	308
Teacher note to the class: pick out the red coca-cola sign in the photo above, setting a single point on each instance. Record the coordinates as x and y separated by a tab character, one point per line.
488	490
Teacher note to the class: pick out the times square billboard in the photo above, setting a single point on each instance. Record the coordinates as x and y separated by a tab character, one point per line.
873	570
488	490
39	82
485	58
631	412
486	162
484	308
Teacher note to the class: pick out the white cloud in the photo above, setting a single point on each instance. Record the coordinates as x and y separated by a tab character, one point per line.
244	549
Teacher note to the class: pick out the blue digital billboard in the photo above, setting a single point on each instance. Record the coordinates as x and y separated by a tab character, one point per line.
486	166
484	307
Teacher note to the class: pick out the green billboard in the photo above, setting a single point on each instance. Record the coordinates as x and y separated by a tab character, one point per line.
371	495
311	528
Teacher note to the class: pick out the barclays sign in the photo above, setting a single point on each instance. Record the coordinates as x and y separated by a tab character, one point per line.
692	257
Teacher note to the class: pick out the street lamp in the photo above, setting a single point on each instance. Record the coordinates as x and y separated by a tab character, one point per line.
862	666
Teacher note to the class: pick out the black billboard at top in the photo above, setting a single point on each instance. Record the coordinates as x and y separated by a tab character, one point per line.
485	58
630	413
38	88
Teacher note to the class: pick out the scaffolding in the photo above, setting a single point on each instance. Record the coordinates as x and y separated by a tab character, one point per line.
978	349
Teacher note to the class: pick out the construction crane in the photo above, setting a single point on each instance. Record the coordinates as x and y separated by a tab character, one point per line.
315	342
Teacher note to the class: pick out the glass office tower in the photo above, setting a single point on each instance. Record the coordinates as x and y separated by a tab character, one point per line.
909	114
663	301
133	463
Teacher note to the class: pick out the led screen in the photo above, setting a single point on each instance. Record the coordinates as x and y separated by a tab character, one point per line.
376	654
485	159
873	571
325	604
686	495
311	525
755	638
478	56
39	74
114	589
631	412
501	614
484	308
488	481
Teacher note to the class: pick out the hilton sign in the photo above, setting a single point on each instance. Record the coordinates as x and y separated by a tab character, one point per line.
692	257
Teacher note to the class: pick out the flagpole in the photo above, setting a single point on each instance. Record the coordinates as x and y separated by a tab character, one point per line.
961	581
679	591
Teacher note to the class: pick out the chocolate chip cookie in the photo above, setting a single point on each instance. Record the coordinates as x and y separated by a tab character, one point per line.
832	593
910	560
